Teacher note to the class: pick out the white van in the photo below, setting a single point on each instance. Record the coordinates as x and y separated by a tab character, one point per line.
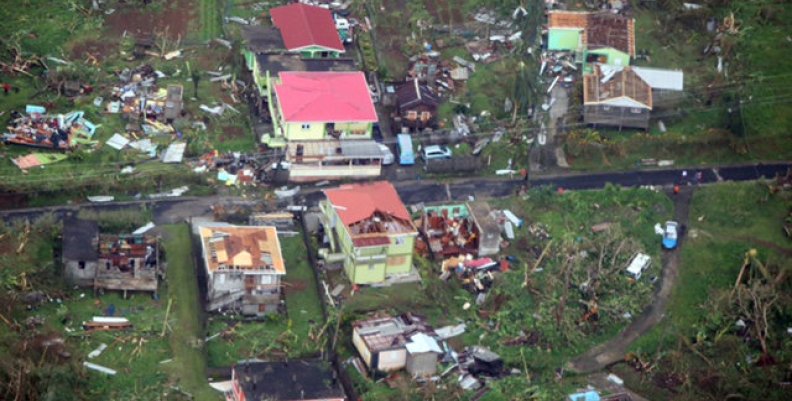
638	263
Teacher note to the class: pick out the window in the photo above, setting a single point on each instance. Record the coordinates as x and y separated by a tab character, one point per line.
425	116
81	265
266	279
635	110
398	240
221	278
605	108
107	265
306	127
412	115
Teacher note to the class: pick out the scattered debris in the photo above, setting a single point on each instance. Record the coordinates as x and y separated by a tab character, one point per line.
99	368
98	351
101	323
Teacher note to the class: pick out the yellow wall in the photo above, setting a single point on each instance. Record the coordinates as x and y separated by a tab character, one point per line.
295	131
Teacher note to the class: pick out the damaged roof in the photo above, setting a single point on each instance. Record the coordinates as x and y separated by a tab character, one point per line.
414	94
79	239
325	97
246	247
357	202
303	26
294	380
602	29
262	39
617	88
277	63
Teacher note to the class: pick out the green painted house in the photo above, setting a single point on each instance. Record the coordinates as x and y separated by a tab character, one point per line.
594	37
370	230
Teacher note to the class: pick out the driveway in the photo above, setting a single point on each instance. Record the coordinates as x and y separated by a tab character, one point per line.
614	350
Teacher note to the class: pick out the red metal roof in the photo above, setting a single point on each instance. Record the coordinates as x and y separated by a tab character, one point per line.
302	26
370	241
357	202
325	97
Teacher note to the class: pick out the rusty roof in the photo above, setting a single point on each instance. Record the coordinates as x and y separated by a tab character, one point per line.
243	247
622	89
603	29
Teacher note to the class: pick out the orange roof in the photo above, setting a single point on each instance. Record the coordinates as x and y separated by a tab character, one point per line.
242	247
358	202
622	89
568	19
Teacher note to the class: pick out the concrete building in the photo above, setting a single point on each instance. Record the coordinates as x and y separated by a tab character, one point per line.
114	262
370	230
243	266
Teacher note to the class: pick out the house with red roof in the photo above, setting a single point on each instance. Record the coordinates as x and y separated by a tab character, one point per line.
323	105
370	230
307	29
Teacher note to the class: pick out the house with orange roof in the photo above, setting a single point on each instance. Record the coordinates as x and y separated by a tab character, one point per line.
243	266
370	230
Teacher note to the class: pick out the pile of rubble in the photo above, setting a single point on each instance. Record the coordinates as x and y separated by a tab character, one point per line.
38	129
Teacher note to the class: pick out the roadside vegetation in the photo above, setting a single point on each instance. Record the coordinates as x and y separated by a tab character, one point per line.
41	323
725	332
739	115
566	292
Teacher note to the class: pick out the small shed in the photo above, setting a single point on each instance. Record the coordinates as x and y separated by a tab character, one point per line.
422	354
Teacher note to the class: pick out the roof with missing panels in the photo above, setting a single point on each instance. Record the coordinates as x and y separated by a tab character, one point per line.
243	247
294	380
325	97
303	26
412	94
618	88
357	202
602	29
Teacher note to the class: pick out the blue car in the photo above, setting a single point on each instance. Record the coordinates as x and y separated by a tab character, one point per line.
670	235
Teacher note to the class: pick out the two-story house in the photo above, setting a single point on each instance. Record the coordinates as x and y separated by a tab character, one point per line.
325	119
370	226
243	266
301	38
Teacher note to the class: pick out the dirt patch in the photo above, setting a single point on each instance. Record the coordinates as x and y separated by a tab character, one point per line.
294	286
98	49
445	11
231	133
769	245
171	18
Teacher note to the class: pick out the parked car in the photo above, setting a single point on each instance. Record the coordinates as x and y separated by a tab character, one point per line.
670	235
434	152
638	263
387	154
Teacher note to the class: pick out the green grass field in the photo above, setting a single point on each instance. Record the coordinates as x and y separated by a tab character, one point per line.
290	336
188	368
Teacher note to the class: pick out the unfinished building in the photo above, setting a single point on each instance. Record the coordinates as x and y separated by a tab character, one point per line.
243	266
460	229
115	262
619	99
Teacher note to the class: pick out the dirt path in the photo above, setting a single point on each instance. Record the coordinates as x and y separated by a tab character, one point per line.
614	350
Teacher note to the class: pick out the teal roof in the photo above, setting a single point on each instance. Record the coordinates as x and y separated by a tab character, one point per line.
587	396
564	38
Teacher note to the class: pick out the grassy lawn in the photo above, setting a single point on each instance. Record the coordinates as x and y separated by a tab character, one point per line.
210	19
291	336
512	309
188	368
726	221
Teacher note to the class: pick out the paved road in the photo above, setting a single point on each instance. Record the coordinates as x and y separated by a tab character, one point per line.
415	191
